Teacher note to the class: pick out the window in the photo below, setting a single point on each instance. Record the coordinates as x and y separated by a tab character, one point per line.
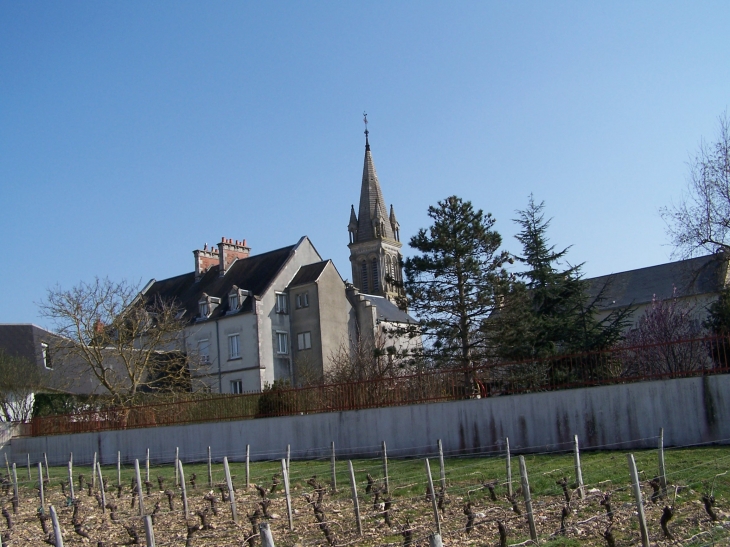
281	306
237	386
204	351
303	300
304	340
204	309
282	343
376	281
232	302
364	277
234	346
46	356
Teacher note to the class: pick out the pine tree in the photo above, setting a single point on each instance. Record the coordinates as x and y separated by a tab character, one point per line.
451	285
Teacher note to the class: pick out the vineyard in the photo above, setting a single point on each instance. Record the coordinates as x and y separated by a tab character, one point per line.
475	502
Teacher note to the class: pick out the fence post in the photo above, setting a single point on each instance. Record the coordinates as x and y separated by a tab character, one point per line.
40	487
139	488
56	527
101	488
16	499
71	480
210	470
285	474
509	469
662	469
528	498
181	474
248	473
231	493
441	465
578	471
149	531
267	540
353	488
636	487
436	518
385	469
334	469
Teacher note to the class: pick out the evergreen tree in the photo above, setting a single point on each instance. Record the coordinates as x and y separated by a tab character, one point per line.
547	310
451	285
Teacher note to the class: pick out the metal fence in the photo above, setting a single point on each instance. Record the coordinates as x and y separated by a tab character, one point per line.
678	359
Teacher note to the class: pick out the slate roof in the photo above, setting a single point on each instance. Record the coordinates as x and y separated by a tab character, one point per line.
388	311
371	201
309	273
24	340
253	274
692	277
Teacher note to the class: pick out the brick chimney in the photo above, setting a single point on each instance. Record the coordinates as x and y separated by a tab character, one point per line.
230	250
205	259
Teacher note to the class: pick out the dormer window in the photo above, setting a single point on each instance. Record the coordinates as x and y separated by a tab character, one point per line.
236	298
46	356
281	305
206	305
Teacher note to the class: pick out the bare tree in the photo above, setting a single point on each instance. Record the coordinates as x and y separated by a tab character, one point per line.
700	223
19	380
128	344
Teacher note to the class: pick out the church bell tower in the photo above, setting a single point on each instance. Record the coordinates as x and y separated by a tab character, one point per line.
374	237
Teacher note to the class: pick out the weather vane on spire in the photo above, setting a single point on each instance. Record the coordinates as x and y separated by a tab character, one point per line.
365	119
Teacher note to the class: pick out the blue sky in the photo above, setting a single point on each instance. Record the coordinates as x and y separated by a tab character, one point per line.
132	133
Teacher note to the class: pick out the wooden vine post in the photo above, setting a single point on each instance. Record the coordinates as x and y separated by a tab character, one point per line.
578	471
528	499
285	474
434	540
385	469
93	472
29	477
333	467
102	491
149	531
16	499
56	527
40	487
147	466
442	466
210	470
288	456
181	475
436	518
140	497
248	470
636	487
119	468
71	479
662	469
267	540
48	476
177	467
355	503
231	493
509	468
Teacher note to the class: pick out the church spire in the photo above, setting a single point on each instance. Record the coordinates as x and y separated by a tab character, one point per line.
371	200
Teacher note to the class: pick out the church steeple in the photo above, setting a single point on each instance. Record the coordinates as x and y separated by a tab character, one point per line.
374	236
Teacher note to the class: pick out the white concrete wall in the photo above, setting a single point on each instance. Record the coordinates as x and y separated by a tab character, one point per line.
691	410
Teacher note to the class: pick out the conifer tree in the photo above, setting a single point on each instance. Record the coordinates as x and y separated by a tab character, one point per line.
451	285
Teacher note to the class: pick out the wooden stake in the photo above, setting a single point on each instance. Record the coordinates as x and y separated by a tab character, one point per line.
578	471
40	486
177	467
119	468
248	473
528	498
436	518
333	467
29	477
509	469
56	527
662	469
210	470
45	459
442	467
149	531
434	540
181	474
288	456
385	469
285	474
101	488
15	490
71	479
636	487
93	473
267	540
139	488
231	493
353	488
147	466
